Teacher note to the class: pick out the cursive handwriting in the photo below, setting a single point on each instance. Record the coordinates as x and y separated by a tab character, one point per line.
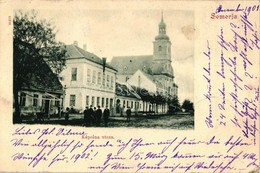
237	8
237	69
178	154
208	95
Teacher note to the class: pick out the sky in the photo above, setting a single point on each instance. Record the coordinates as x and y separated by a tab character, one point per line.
109	33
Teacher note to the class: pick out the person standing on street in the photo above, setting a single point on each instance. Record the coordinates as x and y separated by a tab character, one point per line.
67	115
128	114
87	117
94	116
98	116
106	114
91	114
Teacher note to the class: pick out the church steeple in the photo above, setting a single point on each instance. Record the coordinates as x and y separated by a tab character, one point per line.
162	26
162	43
161	66
162	31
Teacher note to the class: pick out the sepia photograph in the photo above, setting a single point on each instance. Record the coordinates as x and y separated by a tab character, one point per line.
104	68
129	86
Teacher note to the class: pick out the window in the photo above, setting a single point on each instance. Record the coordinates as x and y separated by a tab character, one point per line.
61	78
22	99
57	103
35	100
127	104
99	78
102	102
74	74
106	101
112	82
132	104
160	48
88	75
98	101
104	80
72	100
93	101
94	77
87	100
107	80
111	102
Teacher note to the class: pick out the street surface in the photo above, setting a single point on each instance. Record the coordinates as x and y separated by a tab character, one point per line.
177	121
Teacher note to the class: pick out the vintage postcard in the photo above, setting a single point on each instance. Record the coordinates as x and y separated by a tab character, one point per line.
130	86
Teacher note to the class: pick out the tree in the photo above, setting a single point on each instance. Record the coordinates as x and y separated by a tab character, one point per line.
34	45
174	104
187	105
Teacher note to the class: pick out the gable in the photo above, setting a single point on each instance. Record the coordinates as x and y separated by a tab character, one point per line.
140	79
74	52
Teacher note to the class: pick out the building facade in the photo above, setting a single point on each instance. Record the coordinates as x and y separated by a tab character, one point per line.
41	94
87	80
126	97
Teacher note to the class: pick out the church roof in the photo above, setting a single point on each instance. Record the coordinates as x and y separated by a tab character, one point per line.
162	37
130	64
75	52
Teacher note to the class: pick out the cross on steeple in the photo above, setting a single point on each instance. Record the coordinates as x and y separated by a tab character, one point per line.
162	26
162	16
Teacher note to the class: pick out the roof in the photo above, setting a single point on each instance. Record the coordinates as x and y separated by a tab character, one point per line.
162	69
162	37
74	52
125	90
130	64
152	78
45	82
143	93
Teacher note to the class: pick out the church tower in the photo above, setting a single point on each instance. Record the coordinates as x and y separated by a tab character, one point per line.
161	65
162	44
162	52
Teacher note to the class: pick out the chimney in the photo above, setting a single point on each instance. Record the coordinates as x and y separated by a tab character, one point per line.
84	46
76	43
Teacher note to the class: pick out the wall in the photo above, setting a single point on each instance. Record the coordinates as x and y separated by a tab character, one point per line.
144	82
83	87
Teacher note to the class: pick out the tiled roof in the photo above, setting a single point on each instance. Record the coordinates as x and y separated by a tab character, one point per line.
143	93
130	64
46	82
74	52
125	90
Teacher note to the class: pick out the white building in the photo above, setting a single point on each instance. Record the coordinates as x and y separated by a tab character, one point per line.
87	80
126	97
143	80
